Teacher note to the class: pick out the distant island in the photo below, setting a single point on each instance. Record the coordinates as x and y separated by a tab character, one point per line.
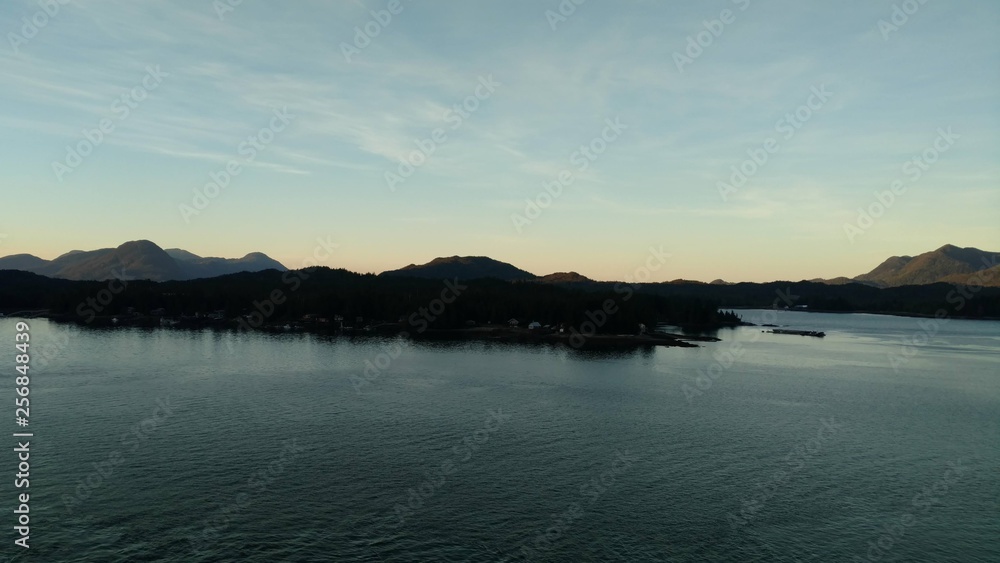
458	296
338	301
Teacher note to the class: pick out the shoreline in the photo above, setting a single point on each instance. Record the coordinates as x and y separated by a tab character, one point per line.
43	314
882	313
490	333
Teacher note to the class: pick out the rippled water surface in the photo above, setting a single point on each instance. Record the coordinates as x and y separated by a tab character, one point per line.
171	445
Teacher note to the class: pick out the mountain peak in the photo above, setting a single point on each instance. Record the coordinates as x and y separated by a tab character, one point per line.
463	267
141	243
946	264
565	277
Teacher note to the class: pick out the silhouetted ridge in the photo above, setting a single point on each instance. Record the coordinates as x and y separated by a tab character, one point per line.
139	259
465	268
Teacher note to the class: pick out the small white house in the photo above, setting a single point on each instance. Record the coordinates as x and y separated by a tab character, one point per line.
535	326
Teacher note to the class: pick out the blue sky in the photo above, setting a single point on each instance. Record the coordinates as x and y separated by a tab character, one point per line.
554	85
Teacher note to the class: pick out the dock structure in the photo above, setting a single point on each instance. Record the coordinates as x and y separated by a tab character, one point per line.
815	333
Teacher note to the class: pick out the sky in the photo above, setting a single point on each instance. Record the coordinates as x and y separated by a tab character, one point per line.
740	137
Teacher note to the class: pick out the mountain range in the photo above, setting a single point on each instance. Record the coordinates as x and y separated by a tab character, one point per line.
145	260
140	259
948	264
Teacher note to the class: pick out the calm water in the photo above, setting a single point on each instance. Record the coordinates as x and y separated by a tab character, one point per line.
172	445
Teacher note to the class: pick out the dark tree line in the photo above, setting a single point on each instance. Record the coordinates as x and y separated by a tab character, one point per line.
281	297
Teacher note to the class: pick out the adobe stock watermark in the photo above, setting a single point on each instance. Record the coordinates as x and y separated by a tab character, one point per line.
454	117
725	359
248	149
789	125
223	7
131	440
929	328
900	16
893	532
796	459
121	108
33	25
364	35
90	307
598	318
87	310
913	170
265	308
562	13
52	348
257	483
697	43
420	321
436	479
581	158
590	492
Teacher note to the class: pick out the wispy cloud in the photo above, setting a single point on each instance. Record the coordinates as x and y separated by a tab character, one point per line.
356	120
